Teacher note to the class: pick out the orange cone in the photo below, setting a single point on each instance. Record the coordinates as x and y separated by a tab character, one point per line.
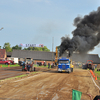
92	73
8	65
95	77
1	66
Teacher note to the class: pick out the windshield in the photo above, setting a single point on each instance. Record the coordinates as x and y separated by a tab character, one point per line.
89	62
63	61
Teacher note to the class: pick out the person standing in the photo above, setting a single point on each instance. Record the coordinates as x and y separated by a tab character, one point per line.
48	65
28	67
23	65
32	68
93	68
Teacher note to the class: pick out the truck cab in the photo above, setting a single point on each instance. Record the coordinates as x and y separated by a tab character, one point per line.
65	65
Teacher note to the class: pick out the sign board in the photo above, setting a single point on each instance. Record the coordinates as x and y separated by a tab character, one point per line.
31	45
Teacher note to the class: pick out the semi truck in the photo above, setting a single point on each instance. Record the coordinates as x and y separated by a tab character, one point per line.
65	65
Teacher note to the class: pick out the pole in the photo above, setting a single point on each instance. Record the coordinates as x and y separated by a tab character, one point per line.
52	47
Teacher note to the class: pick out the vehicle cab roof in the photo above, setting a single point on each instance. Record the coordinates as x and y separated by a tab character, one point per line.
64	59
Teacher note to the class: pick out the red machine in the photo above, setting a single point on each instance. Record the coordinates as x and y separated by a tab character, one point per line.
89	65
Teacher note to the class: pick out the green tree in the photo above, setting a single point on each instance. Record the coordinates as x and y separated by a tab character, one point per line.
25	49
7	47
45	48
37	48
16	47
29	48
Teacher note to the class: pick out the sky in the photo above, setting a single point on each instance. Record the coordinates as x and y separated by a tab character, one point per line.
41	21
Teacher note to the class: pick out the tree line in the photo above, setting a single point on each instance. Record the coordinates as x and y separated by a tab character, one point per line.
8	48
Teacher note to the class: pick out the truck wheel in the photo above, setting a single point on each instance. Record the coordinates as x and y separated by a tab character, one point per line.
71	69
59	71
68	72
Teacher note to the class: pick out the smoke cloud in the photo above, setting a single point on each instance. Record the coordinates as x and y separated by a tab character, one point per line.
86	35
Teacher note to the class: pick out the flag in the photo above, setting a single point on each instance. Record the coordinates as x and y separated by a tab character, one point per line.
76	95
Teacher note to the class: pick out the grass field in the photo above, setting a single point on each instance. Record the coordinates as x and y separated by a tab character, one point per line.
97	73
3	65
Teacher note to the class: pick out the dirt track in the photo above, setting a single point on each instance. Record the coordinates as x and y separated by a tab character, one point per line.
49	85
8	72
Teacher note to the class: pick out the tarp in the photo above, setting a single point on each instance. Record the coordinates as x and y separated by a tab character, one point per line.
76	95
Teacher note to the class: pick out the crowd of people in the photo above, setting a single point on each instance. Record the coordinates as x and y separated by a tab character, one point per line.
28	66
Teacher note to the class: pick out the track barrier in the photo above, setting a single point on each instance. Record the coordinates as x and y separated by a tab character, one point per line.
93	74
95	82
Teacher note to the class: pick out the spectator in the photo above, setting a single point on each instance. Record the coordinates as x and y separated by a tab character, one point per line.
96	66
93	68
23	65
44	63
28	67
52	65
48	65
32	67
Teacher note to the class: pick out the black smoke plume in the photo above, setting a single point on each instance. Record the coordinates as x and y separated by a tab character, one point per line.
86	35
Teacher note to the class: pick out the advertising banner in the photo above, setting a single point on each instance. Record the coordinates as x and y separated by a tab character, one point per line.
31	45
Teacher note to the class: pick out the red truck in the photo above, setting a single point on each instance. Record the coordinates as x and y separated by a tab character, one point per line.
4	62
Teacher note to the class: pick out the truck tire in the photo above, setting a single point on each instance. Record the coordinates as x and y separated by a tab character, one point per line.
59	71
71	69
68	72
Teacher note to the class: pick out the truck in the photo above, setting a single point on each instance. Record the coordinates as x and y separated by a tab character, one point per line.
65	65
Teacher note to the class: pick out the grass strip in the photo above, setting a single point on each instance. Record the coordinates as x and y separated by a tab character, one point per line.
20	76
97	73
3	65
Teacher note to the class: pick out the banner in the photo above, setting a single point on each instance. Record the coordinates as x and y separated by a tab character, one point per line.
76	95
31	45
